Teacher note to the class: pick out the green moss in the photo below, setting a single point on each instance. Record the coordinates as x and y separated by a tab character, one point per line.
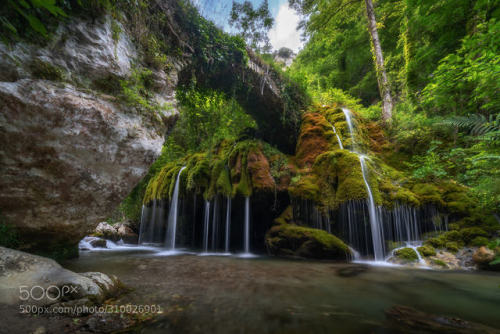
45	70
469	233
452	246
435	242
407	254
479	241
428	193
293	240
426	250
305	187
285	217
440	263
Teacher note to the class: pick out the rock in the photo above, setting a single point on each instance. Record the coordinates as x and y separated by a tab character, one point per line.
35	280
97	242
483	256
70	152
296	241
404	256
127	234
107	231
444	260
409	320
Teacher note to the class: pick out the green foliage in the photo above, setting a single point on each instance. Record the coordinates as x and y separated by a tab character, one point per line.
468	81
252	24
429	166
15	13
136	91
207	117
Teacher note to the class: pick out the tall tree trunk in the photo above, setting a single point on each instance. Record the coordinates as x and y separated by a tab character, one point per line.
383	82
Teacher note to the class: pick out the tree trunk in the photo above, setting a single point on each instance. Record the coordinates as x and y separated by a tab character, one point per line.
383	82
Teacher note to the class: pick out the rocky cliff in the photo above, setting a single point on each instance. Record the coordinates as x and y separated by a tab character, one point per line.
71	149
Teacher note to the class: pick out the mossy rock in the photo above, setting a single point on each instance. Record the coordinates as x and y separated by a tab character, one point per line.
452	246
406	254
316	137
479	241
298	241
469	233
305	187
428	193
435	242
439	263
426	250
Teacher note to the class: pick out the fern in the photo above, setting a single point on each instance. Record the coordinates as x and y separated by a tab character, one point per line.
487	129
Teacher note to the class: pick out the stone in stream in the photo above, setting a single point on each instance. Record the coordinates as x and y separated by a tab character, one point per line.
409	320
35	280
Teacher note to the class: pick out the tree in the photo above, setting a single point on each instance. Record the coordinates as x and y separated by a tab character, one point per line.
383	82
329	21
252	24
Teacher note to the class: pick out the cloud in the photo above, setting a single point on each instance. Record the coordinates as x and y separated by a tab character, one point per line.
284	32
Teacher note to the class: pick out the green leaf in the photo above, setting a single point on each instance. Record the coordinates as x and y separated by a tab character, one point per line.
36	24
495	261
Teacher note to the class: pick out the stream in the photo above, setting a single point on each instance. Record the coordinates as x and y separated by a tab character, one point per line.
214	294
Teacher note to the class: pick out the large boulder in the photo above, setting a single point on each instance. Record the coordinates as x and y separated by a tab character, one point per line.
70	153
35	280
297	241
290	240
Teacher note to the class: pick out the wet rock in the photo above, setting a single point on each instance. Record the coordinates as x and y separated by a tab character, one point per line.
31	279
483	256
410	320
126	234
296	241
107	231
98	243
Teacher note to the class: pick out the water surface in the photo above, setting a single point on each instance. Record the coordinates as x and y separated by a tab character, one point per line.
224	294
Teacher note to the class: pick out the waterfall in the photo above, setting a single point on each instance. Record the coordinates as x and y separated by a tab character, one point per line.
215	225
338	138
348	119
205	226
143	224
172	215
228	224
152	223
376	227
375	224
247	225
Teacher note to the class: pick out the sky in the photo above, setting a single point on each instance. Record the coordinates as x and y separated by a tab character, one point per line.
282	34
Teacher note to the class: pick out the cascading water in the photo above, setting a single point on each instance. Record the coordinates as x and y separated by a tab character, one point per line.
206	226
338	138
215	220
247	225
376	227
172	215
228	224
347	114
143	224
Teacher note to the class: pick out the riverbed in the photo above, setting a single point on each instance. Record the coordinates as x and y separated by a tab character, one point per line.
229	294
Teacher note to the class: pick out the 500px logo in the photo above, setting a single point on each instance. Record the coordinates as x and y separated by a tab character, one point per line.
51	292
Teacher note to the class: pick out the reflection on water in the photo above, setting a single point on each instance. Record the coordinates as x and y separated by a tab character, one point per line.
222	294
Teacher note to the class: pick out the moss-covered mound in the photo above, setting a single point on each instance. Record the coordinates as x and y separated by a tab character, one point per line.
406	254
230	169
290	240
297	241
